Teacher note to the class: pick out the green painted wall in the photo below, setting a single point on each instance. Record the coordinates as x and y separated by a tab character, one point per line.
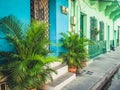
74	12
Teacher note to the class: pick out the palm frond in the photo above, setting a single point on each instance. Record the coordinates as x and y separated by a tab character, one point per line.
36	37
13	26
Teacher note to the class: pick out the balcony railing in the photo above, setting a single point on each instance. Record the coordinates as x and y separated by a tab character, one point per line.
97	48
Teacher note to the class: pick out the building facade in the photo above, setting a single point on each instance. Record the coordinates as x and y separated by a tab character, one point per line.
93	19
96	20
49	11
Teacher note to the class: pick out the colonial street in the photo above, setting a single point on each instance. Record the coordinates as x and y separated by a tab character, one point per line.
96	74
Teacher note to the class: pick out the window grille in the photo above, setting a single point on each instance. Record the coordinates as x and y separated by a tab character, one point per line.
101	28
93	26
39	10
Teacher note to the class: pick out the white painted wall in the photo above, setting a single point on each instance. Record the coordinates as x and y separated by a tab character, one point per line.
92	11
116	24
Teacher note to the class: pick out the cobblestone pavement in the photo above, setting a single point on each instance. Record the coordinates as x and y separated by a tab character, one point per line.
97	73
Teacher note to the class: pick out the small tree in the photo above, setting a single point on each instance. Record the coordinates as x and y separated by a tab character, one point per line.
26	67
76	49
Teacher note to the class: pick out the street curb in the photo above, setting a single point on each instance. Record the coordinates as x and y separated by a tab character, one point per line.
100	84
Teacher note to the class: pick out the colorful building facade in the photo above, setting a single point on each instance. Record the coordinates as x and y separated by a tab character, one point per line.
88	17
96	20
42	10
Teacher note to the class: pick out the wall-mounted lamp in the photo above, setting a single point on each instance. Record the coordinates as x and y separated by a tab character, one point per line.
64	10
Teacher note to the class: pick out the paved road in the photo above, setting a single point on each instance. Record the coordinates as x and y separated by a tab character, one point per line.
97	73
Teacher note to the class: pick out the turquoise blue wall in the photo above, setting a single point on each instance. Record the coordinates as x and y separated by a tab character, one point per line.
58	23
18	8
21	9
52	22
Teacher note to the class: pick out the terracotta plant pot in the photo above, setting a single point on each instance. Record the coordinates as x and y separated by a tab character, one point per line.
33	89
84	64
72	69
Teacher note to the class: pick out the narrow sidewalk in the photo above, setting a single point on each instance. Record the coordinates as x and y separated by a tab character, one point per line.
96	74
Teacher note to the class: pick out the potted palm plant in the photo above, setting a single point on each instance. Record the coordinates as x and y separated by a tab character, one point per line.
26	67
75	49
